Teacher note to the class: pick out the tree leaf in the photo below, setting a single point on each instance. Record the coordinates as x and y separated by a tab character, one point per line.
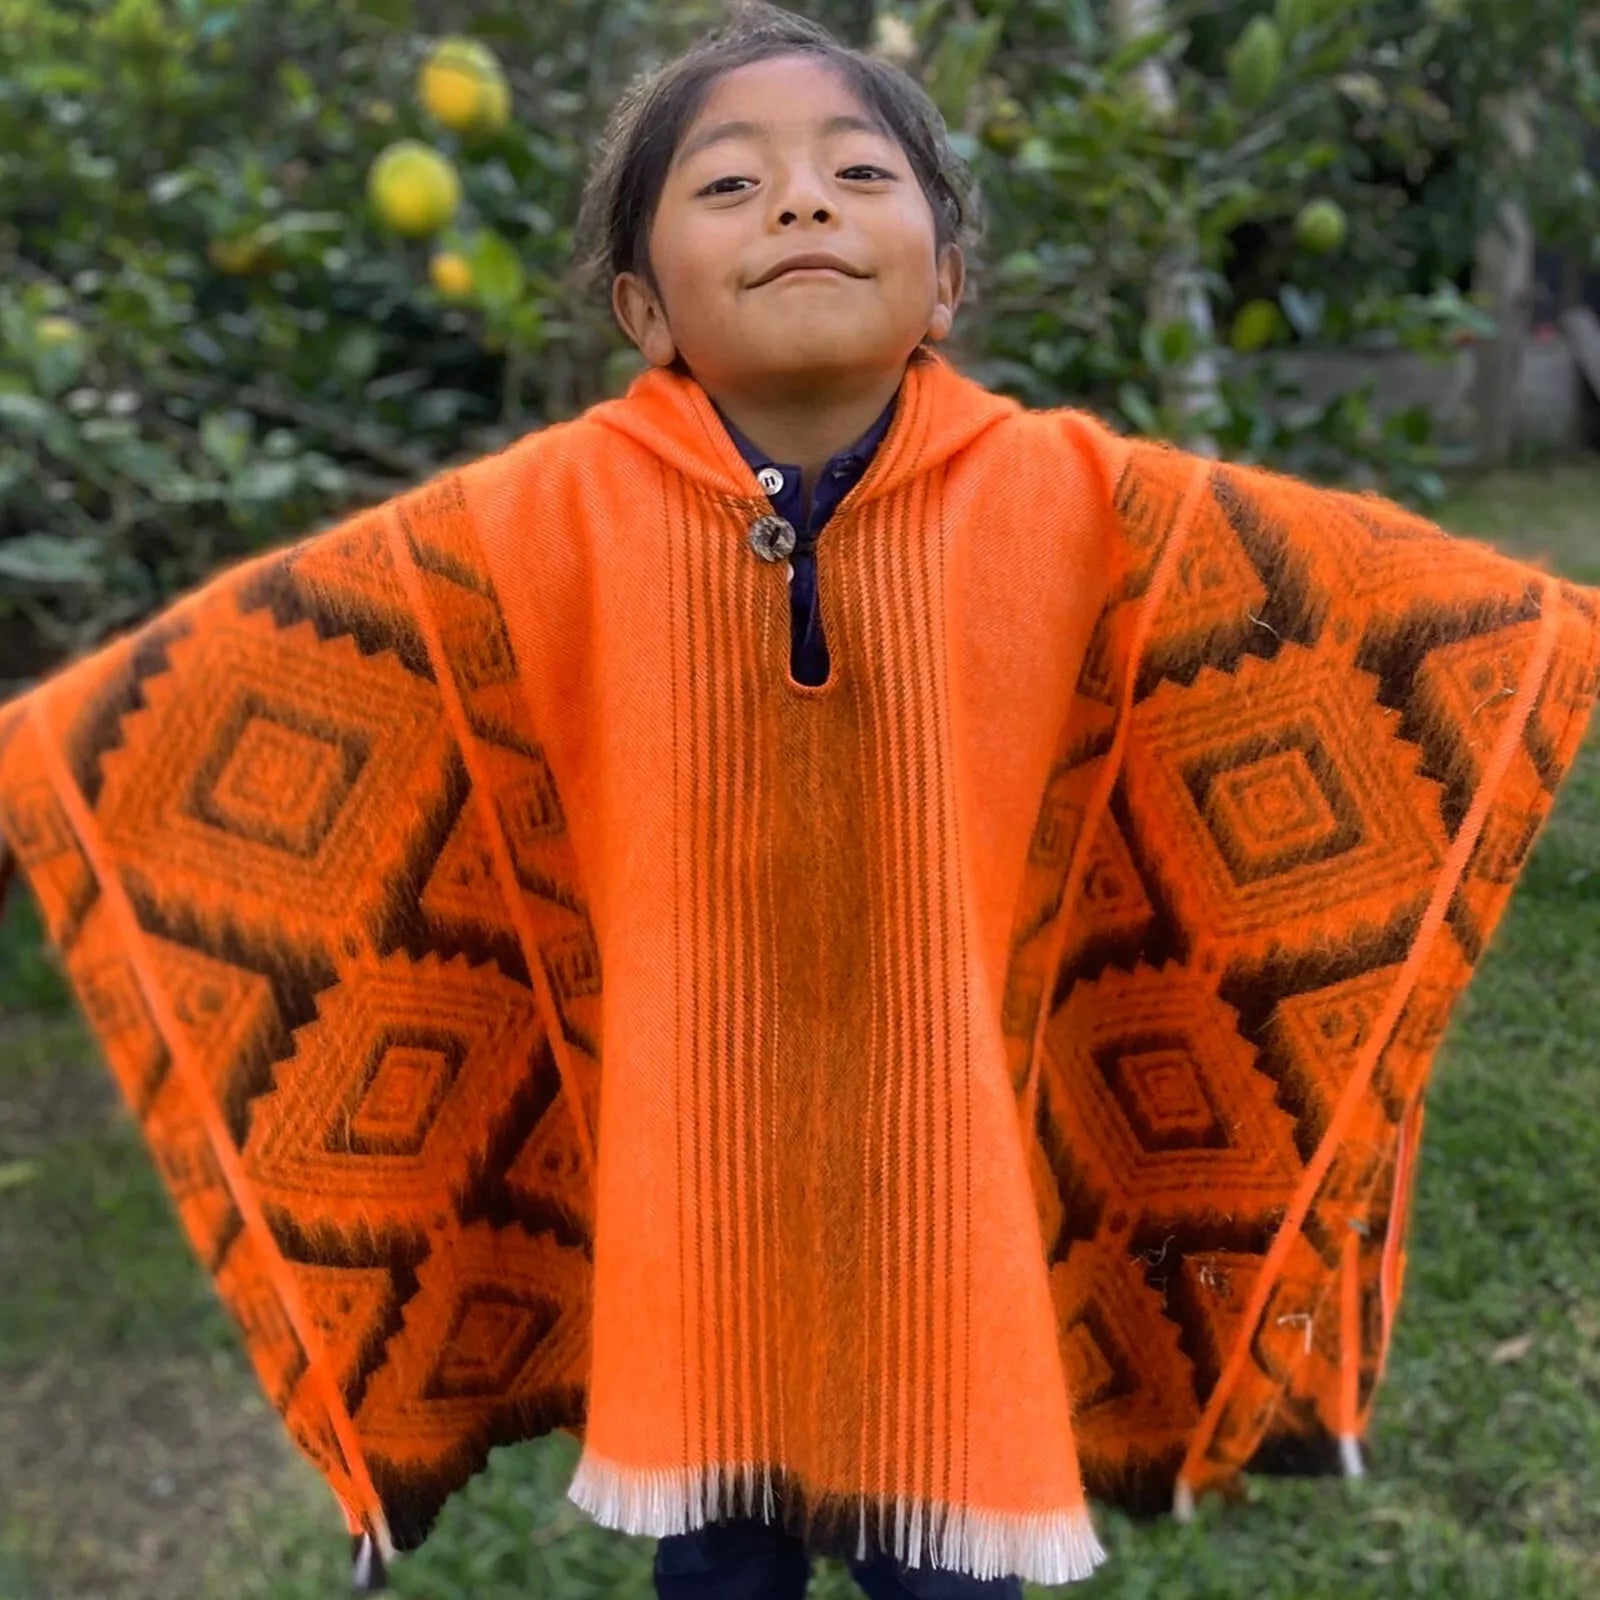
225	437
13	1174
1303	309
46	559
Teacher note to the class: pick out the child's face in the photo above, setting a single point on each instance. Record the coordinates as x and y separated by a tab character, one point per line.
735	208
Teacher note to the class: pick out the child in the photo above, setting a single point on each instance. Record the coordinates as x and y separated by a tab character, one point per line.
1027	874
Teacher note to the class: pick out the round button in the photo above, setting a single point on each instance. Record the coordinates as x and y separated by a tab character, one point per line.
772	538
770	479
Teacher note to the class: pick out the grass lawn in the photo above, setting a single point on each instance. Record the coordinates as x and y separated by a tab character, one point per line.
137	1459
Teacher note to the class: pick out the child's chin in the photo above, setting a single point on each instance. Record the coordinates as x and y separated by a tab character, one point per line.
798	348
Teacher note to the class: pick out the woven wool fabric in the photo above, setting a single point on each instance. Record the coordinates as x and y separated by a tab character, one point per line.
890	1106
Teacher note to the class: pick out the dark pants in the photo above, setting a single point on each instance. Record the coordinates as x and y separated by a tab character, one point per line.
747	1560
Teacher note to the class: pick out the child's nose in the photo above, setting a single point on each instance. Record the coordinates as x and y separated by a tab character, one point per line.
819	213
800	191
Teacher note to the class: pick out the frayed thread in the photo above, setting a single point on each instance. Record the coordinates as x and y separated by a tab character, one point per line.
369	1571
1043	1547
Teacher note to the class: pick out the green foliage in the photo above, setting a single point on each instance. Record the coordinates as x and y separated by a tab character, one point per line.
30	979
209	342
184	180
1282	125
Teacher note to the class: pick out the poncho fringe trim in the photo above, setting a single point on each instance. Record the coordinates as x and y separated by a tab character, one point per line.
1042	1547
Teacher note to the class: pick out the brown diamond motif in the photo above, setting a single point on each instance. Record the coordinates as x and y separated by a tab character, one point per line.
280	778
1328	824
402	1098
1272	813
1159	1089
493	1335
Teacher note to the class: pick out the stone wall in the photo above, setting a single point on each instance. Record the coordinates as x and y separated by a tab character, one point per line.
1554	410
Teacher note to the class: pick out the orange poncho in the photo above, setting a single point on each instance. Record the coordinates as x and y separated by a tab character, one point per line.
887	1106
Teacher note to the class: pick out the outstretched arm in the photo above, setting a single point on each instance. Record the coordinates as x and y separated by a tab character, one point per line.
1318	739
278	835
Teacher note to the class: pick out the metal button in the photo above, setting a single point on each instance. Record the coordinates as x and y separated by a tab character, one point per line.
772	538
770	479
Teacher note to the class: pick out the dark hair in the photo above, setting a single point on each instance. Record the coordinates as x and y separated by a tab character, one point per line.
655	111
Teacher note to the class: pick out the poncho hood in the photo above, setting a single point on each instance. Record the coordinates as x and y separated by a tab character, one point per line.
940	411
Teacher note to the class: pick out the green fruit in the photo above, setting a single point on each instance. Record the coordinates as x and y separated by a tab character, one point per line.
1255	325
236	256
1007	127
1320	227
1255	62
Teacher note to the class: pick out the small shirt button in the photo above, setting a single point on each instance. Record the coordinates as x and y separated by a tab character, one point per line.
770	479
772	538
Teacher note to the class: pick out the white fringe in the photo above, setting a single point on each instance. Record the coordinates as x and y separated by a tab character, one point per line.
379	1524
1182	1502
1043	1547
1350	1456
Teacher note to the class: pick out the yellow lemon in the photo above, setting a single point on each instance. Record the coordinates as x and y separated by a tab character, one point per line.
414	188
451	273
461	84
57	330
1320	227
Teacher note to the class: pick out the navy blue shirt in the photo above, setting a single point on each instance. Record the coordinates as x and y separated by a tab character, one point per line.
808	646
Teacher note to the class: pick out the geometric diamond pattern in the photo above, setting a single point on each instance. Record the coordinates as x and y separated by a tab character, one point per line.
1280	807
342	1072
491	1338
1243	769
280	783
403	1094
1320	693
1156	1080
392	1101
1157	1084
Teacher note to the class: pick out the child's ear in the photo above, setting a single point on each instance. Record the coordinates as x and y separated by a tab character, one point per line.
641	317
952	279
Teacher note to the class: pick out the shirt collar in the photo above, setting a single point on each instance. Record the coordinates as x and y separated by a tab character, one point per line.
939	412
857	454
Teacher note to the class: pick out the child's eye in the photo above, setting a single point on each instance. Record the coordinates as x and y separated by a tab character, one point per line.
874	172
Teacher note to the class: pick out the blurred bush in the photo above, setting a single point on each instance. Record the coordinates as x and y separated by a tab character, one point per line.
211	339
208	339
